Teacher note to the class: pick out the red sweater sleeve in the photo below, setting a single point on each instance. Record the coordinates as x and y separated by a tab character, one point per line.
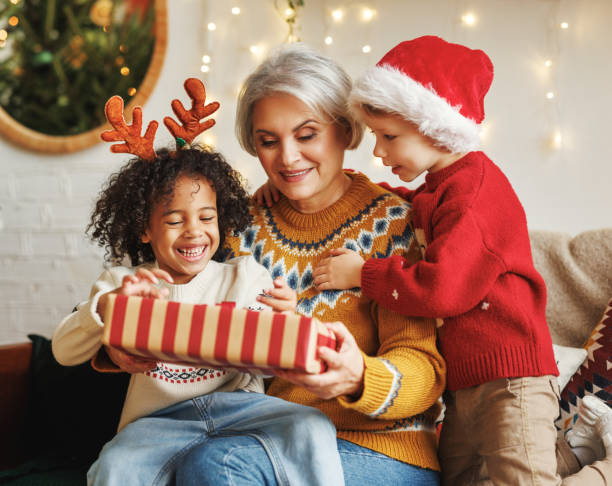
456	273
402	192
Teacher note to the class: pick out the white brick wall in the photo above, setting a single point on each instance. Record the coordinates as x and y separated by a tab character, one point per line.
47	265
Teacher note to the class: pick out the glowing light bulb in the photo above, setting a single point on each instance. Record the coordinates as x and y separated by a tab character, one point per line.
13	21
329	40
557	140
564	25
125	71
256	50
289	13
469	19
236	10
367	14
365	49
485	130
3	34
209	139
548	63
337	15
212	26
132	91
205	68
206	59
550	95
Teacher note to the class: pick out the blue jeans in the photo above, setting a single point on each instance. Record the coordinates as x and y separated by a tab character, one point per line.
241	461
298	442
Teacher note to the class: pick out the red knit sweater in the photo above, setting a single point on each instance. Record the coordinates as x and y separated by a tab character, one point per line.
477	275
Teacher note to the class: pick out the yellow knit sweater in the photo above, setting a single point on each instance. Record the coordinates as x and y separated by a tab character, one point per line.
404	373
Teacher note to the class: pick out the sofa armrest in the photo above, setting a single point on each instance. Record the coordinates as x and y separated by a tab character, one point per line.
14	394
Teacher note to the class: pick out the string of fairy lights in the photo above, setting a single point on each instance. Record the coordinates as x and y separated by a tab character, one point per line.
355	15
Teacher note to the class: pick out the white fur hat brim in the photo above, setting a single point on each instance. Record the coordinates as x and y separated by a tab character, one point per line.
389	90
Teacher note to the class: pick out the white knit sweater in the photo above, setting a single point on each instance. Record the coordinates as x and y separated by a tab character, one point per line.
78	337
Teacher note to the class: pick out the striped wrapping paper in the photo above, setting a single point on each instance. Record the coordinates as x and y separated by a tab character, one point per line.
215	335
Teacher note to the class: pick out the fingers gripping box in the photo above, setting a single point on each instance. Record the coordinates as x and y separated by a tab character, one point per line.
215	335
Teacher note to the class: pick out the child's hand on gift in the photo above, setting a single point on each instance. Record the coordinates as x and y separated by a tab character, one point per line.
129	362
281	298
267	194
142	283
340	270
345	368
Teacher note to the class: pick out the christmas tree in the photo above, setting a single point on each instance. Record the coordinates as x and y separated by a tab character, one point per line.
60	60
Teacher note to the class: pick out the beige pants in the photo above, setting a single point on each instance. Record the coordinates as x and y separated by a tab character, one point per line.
503	433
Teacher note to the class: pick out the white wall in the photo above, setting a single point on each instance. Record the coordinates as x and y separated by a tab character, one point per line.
47	266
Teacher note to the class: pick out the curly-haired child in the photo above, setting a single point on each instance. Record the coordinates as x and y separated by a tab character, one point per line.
169	214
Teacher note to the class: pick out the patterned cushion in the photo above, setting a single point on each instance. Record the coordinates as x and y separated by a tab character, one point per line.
568	361
594	377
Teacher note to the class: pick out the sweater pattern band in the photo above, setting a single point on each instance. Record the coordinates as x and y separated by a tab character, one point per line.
419	422
183	375
364	243
393	391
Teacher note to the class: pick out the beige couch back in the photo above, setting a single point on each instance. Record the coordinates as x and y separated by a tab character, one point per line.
578	275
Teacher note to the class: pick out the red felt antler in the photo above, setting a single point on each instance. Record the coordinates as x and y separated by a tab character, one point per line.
129	134
190	120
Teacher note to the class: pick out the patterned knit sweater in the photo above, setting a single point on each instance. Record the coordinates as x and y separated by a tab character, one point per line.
477	274
404	373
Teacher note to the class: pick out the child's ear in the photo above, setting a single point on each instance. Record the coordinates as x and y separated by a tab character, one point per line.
145	238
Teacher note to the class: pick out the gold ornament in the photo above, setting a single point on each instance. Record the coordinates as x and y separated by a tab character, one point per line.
101	12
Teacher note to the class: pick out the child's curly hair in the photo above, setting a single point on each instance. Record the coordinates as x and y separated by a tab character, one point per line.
122	212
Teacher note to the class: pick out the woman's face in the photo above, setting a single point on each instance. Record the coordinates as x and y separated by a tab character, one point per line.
301	153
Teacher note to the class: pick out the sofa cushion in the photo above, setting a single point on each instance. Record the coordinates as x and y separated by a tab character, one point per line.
578	275
594	377
568	361
73	411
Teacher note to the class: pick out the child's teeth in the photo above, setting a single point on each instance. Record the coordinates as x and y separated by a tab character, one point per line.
193	251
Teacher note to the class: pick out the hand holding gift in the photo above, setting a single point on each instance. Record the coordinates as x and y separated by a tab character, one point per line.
142	284
345	368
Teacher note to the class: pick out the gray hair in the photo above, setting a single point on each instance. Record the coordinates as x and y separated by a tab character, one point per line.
317	81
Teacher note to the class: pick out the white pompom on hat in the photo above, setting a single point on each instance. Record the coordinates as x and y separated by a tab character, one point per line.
437	85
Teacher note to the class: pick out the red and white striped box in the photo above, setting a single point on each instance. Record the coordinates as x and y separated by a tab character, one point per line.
215	335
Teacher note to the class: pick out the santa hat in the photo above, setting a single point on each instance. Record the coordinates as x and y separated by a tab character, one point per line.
437	85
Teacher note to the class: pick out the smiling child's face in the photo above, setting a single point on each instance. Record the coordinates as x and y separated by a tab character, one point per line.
184	232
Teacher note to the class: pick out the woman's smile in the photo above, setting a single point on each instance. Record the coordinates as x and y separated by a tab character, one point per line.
295	175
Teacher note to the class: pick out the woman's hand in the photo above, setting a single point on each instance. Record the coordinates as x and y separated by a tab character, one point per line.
341	270
267	194
345	368
129	362
142	284
281	298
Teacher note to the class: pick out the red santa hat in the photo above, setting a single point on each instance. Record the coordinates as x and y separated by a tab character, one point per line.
437	85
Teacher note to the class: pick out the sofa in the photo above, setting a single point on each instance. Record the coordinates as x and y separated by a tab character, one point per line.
55	419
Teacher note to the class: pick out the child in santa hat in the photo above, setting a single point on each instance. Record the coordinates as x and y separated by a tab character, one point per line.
424	103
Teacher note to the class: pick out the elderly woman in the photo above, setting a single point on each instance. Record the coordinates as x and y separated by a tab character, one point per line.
383	381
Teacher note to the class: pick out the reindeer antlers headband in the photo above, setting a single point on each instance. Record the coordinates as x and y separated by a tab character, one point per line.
142	146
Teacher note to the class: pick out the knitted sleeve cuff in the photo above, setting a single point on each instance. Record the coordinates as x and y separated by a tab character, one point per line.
381	383
370	276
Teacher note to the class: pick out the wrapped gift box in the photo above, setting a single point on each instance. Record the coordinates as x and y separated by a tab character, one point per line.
215	335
